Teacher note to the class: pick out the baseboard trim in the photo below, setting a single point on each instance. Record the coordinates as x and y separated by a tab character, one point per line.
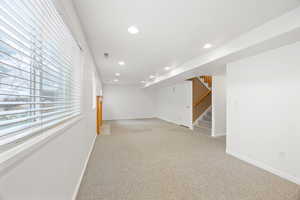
265	167
172	122
219	135
84	168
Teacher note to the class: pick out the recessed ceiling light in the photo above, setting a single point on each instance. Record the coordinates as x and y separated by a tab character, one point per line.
121	63
151	76
167	68
207	46
116	80
133	30
117	74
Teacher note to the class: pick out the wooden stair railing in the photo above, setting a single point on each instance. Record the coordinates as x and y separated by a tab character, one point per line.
202	98
201	95
207	79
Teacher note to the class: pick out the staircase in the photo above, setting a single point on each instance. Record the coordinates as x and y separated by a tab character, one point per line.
202	114
205	120
207	80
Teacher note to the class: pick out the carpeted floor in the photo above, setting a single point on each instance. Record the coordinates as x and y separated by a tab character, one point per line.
156	160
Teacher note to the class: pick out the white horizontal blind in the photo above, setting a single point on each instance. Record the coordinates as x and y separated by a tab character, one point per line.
39	69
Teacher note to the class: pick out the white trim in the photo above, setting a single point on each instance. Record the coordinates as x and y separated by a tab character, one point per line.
84	169
29	144
172	122
219	135
265	167
213	110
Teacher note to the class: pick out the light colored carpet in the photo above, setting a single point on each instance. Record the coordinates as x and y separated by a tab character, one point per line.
156	160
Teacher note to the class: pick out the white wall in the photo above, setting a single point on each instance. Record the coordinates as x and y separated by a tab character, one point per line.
263	110
127	102
52	171
174	103
219	105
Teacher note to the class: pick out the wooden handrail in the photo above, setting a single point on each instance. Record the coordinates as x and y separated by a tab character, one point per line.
202	98
207	79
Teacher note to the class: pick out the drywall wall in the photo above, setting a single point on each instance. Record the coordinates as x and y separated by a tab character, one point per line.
174	103
127	102
263	110
53	170
219	105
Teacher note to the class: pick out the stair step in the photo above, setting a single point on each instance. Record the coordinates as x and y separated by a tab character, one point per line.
207	118
206	124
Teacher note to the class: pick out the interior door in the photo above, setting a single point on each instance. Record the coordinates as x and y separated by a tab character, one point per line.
99	114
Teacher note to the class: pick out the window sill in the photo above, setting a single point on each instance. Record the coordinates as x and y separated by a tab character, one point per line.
17	151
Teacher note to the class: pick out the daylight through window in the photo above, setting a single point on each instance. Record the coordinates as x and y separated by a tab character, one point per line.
39	69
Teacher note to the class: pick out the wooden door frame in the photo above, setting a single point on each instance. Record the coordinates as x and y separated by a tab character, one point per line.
99	109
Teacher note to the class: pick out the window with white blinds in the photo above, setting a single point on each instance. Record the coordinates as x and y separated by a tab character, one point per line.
39	69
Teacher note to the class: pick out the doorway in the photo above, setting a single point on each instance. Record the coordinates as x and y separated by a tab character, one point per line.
99	120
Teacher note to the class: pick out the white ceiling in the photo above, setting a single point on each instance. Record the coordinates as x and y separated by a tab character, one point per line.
171	31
